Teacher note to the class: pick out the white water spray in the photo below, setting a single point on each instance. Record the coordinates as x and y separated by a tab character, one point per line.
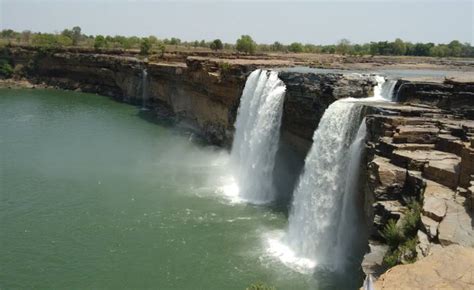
257	133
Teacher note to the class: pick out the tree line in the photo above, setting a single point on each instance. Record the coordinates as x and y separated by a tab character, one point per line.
245	44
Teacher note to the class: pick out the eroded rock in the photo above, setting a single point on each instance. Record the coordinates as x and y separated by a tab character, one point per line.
447	268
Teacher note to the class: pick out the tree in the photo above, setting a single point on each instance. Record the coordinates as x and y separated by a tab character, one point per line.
455	48
217	44
277	46
296	47
99	42
76	35
145	46
161	49
343	46
399	47
26	36
246	44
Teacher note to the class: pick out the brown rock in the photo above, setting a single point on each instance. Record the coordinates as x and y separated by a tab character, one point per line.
447	268
434	207
415	134
456	227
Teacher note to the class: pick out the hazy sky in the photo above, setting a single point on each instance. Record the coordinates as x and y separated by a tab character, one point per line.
319	22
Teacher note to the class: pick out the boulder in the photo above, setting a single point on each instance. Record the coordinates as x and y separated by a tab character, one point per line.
447	268
457	226
434	207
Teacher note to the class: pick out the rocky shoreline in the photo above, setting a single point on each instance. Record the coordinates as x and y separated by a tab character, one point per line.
419	150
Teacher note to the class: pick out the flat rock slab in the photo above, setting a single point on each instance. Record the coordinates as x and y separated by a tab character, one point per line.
434	207
445	171
415	160
416	134
457	226
447	268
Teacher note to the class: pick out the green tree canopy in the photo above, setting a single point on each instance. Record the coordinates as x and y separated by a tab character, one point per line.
99	42
246	44
217	45
296	47
145	46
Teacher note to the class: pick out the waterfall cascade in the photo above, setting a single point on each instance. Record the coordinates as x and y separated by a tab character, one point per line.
257	133
144	88
323	222
383	91
315	216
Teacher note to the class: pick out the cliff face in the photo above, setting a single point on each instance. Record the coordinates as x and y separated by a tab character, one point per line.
420	169
202	92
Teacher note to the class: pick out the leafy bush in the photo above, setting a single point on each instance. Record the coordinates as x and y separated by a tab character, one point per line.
411	220
392	234
296	47
99	42
402	240
224	66
6	70
145	46
246	44
217	45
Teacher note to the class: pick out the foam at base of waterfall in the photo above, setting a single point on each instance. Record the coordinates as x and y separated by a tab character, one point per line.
277	248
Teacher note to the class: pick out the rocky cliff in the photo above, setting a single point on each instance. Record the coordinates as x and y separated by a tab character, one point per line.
203	92
420	185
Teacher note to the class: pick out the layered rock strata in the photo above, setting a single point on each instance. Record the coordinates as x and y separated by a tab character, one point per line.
424	154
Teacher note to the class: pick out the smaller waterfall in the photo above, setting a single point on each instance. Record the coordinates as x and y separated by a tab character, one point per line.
383	91
257	133
144	88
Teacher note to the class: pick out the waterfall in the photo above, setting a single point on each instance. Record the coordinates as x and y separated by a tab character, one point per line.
350	230
383	91
144	88
257	133
315	223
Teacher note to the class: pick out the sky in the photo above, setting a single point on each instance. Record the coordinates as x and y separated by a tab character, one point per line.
316	21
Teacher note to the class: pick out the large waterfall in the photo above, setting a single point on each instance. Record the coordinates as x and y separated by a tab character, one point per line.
257	133
324	219
315	217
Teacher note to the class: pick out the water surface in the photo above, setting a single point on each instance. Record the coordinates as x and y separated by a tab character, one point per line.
92	196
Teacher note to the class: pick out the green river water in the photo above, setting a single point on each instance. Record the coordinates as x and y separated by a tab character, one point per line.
94	196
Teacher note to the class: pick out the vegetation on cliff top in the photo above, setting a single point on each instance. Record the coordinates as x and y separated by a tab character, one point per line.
245	44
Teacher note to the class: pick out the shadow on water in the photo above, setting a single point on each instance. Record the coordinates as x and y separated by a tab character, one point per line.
170	122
